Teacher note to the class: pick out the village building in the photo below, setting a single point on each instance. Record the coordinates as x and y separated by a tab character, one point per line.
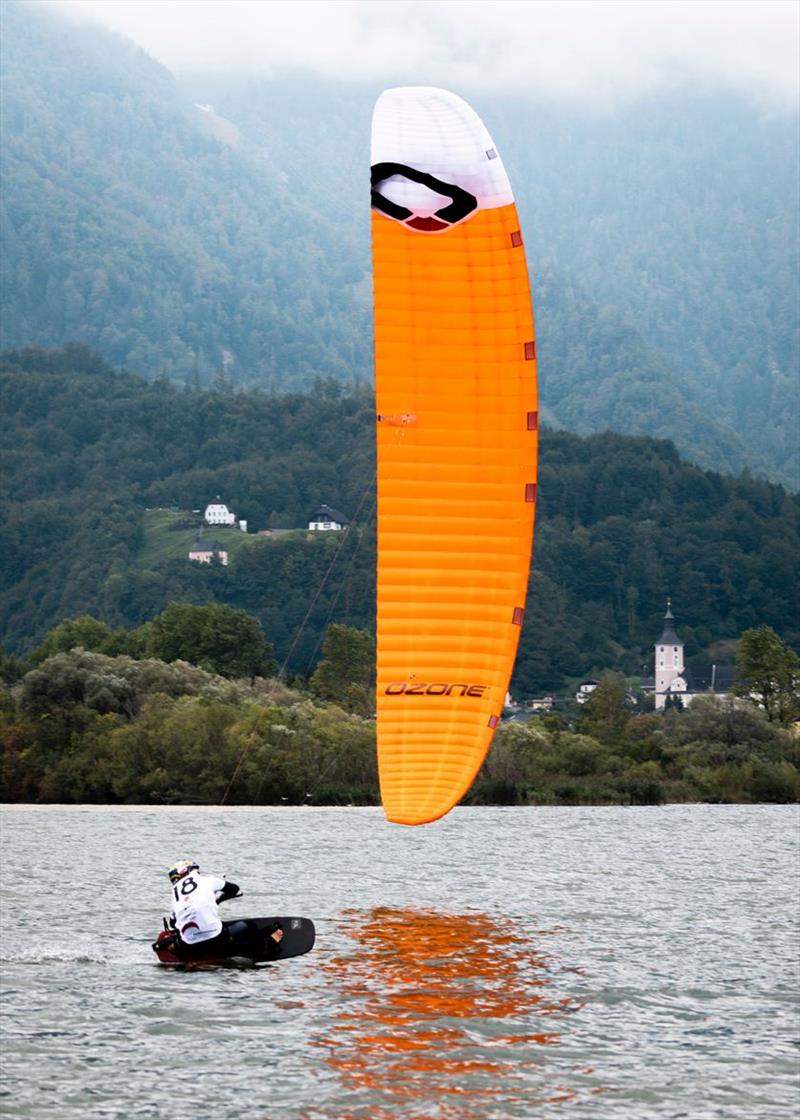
204	552
541	704
585	690
673	682
326	520
217	513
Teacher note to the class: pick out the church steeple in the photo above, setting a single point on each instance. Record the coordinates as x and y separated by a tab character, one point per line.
668	635
669	661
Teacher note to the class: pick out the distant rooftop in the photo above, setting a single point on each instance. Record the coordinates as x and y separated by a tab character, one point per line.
668	635
325	513
207	546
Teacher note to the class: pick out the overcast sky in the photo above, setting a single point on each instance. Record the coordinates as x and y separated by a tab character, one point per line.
591	50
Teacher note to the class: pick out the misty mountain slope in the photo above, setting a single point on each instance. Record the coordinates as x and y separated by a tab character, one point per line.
598	373
681	215
126	225
183	250
676	218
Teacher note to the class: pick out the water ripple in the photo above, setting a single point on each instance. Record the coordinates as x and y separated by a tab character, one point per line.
596	963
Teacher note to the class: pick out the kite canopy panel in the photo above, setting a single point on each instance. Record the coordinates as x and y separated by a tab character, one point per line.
457	429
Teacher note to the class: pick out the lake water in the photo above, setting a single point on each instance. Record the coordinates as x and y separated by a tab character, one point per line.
547	962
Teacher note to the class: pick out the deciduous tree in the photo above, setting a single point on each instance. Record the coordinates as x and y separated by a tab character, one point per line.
218	638
346	672
769	672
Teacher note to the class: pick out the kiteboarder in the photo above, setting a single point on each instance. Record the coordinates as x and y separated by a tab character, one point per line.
199	930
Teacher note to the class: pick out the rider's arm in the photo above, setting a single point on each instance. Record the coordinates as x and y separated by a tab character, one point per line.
228	890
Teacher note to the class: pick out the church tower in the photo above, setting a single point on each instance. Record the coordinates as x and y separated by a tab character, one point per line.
669	662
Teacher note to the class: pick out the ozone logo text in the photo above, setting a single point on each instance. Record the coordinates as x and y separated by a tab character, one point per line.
437	688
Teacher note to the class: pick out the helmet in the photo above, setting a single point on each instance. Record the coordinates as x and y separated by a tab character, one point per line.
181	868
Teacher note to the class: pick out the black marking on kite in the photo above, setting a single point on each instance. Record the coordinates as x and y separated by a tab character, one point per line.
461	205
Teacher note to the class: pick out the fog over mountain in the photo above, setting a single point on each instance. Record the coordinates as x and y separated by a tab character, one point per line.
594	52
215	229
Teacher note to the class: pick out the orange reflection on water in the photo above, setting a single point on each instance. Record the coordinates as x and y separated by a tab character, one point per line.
435	1017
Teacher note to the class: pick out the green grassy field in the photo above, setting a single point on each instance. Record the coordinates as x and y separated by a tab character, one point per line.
168	535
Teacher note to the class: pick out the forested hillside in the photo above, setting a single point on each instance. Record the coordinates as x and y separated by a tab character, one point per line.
232	246
623	522
126	225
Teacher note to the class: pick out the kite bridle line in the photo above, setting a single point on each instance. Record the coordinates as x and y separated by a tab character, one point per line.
281	673
324	580
345	582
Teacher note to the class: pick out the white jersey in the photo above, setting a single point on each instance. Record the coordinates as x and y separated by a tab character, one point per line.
195	907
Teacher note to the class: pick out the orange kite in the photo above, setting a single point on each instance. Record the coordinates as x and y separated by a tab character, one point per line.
457	431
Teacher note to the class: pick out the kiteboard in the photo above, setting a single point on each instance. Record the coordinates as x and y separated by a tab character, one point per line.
249	939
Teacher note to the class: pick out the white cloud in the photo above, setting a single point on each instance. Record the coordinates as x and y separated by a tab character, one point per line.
598	50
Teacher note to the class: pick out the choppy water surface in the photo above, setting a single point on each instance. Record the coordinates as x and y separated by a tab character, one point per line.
597	962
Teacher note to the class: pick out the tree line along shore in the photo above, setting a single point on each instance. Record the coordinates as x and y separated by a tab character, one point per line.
190	709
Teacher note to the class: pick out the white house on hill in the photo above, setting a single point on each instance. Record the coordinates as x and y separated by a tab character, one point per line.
217	513
327	520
